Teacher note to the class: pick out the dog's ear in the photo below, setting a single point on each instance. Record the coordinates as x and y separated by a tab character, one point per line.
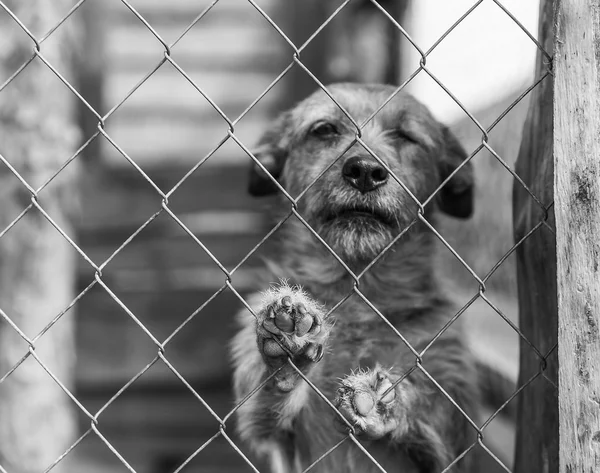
456	197
271	151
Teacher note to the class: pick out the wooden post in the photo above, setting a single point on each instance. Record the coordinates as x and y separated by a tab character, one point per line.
363	44
359	45
537	424
37	134
577	202
90	76
393	74
301	20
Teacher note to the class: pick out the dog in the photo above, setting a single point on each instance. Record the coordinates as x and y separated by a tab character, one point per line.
355	337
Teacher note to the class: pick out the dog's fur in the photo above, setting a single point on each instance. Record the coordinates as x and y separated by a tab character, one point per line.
403	418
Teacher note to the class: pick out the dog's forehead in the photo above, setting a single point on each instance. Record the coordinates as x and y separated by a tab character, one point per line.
360	102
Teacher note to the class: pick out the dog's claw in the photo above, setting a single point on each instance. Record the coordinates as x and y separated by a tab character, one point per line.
384	384
316	327
320	352
314	352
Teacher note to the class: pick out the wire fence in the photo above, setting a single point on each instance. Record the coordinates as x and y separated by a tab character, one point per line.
162	346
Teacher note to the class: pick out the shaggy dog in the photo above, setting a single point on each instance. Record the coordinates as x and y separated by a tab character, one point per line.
358	341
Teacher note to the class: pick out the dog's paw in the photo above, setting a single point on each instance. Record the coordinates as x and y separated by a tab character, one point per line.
369	403
290	324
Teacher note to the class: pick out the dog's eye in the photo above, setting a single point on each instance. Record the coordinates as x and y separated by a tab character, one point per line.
403	135
324	130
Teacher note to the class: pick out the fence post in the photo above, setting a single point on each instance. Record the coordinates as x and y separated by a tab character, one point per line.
361	38
363	44
301	20
37	134
577	201
537	425
91	75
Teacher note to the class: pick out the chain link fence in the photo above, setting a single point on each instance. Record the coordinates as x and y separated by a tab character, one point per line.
225	422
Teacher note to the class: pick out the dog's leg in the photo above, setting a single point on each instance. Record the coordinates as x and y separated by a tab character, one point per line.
288	324
411	414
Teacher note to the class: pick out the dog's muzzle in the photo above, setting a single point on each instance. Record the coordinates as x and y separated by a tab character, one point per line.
364	173
358	213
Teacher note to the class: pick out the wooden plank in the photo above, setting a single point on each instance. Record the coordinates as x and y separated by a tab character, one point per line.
176	251
160	10
135	114
145	431
112	348
221	223
163	252
153	426
577	199
271	61
363	44
537	424
179	143
123	199
204	48
142	410
168	87
90	73
300	21
152	279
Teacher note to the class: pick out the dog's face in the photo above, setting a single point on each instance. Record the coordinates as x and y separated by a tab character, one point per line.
359	202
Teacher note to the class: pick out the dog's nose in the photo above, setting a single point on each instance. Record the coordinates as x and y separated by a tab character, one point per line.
364	173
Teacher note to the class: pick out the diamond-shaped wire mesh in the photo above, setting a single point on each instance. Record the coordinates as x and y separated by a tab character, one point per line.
226	276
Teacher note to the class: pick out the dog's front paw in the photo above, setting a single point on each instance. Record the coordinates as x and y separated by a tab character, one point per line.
369	403
290	324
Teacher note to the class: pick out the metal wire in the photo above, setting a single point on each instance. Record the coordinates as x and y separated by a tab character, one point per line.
37	47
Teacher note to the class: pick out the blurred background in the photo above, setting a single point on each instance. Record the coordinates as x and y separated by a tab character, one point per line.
160	127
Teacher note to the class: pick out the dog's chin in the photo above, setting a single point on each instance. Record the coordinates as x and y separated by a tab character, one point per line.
357	236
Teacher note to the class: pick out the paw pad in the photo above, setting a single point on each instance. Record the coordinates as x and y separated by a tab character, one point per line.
290	324
367	400
363	403
290	318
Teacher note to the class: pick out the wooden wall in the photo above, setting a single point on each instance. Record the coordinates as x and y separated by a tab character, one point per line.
163	275
166	127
